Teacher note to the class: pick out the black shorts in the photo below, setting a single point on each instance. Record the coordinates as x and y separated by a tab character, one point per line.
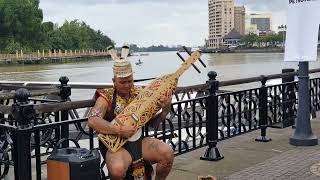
134	149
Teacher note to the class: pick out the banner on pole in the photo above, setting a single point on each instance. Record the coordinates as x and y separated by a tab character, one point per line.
303	19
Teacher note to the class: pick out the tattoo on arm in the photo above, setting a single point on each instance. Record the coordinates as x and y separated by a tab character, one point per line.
95	112
99	108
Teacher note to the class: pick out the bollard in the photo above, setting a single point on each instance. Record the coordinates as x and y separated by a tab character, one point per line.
24	114
65	93
212	152
263	111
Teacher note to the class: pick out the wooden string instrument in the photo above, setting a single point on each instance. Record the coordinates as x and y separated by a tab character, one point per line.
146	104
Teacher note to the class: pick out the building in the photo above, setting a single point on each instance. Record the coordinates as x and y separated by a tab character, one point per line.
232	39
263	22
221	21
252	29
239	19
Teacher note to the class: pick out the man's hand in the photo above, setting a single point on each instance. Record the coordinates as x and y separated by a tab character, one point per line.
127	131
166	104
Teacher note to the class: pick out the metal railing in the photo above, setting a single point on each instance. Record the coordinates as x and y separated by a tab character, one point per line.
31	126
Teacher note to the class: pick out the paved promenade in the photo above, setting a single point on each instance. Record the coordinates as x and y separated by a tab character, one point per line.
246	159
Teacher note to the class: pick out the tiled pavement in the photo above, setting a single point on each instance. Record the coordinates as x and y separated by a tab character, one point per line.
294	165
246	159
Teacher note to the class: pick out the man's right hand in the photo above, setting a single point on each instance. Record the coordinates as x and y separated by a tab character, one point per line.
127	131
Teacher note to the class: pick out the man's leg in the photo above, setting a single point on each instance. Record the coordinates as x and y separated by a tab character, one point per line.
160	152
118	163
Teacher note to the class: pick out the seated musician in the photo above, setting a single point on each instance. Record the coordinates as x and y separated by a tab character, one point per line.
111	102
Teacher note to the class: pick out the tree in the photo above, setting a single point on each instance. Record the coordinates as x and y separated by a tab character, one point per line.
21	22
249	39
78	35
21	27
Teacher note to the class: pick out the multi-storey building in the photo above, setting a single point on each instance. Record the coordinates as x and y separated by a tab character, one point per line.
221	21
239	19
263	22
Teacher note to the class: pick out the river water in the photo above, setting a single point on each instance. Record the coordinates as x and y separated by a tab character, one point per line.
228	66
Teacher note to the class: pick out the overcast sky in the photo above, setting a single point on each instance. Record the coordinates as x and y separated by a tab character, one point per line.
151	22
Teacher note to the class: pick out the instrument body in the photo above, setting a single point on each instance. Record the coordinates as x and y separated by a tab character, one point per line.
146	104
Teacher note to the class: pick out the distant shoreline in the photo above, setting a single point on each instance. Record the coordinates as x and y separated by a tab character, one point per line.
259	50
250	50
53	60
247	50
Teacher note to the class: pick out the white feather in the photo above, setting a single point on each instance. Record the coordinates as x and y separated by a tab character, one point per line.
113	53
125	51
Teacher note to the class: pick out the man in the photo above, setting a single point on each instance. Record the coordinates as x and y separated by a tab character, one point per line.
111	102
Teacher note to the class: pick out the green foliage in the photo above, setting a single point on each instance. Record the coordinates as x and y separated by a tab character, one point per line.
249	39
21	21
13	46
270	40
159	48
78	35
21	27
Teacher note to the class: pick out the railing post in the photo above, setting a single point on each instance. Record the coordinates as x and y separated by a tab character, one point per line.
263	111
288	99
65	93
212	153
23	113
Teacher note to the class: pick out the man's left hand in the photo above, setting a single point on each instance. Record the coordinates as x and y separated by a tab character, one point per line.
166	104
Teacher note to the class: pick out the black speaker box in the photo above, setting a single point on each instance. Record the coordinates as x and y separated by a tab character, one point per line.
73	164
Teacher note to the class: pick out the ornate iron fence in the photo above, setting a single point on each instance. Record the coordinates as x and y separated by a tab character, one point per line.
31	126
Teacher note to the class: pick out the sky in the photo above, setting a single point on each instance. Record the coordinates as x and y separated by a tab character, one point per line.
151	22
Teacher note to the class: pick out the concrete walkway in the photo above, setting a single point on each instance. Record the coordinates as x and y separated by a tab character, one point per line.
246	159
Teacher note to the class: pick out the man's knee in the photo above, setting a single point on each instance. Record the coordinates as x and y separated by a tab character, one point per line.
117	169
167	153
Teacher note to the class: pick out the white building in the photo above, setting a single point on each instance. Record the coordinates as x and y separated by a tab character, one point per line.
221	21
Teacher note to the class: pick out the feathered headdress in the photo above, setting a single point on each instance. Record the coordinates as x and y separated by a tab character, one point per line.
121	66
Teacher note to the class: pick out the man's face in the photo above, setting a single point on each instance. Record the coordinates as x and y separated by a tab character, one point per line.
123	85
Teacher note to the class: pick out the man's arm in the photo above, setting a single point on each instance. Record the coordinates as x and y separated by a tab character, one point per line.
166	107
96	121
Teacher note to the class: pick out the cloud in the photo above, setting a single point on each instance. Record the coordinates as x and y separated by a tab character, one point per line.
276	7
147	22
264	5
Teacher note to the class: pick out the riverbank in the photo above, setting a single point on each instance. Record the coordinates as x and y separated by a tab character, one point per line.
248	50
50	60
245	50
259	50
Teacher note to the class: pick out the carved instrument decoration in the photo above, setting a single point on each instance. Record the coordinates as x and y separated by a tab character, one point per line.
147	102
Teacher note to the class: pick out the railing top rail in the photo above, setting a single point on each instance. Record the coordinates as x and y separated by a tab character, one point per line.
260	78
11	95
85	85
76	85
62	106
